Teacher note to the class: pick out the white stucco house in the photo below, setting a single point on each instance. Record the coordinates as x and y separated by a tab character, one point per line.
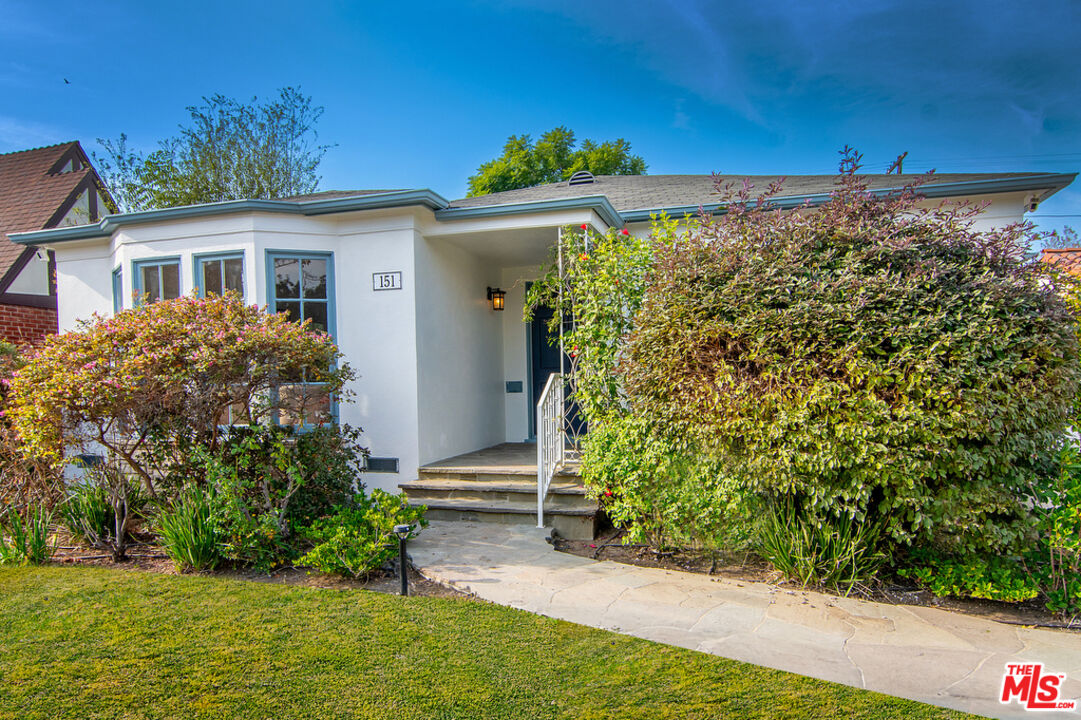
401	279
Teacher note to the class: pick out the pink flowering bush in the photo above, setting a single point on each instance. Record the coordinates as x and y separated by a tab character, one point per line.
168	375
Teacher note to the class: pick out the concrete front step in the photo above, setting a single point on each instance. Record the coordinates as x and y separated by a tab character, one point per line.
560	494
508	501
499	485
570	523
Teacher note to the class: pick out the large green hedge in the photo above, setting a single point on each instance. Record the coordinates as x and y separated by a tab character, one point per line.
868	361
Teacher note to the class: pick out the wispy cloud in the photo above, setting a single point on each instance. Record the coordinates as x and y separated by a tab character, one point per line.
986	67
680	119
18	134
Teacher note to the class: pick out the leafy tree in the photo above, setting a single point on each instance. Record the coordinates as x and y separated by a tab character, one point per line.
1061	239
163	376
551	159
229	151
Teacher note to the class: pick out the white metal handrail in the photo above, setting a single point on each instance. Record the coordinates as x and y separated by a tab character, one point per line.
550	441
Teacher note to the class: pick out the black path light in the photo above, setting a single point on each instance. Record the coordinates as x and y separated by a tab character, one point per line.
402	531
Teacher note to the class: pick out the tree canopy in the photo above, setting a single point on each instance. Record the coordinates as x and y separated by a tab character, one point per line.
229	151
553	158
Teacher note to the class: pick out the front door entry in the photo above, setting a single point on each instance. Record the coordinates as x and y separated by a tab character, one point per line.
544	362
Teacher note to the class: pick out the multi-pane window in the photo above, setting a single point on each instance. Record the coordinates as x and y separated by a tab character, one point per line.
157	279
118	290
302	286
218	274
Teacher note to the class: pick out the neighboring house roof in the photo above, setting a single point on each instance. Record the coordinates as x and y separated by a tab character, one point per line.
1068	259
35	194
617	199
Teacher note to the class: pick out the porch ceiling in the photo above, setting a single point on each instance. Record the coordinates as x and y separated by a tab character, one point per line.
509	247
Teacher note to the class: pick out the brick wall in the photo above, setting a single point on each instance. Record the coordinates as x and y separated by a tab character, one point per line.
20	324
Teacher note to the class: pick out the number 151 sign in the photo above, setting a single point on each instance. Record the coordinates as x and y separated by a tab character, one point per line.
387	280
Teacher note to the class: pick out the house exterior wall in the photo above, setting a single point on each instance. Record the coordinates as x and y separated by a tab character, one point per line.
22	324
32	279
459	351
84	283
376	331
377	334
518	407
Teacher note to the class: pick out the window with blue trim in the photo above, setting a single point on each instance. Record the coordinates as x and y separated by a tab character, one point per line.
118	290
157	279
220	273
301	285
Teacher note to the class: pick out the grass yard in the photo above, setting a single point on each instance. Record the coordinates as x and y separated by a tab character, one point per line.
84	642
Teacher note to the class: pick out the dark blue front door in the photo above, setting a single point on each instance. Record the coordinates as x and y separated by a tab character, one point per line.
544	362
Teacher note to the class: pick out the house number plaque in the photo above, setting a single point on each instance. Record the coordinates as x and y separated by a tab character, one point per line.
387	280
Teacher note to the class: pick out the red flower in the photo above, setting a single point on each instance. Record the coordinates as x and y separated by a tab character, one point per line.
584	226
583	257
625	231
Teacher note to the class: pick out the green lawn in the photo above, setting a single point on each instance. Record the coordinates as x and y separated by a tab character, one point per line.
78	642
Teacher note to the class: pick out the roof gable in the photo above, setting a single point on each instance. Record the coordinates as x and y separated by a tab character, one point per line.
34	192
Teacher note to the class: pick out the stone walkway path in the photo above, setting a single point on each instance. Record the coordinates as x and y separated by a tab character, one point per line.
925	654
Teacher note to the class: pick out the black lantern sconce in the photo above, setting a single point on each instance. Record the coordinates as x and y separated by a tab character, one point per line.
497	297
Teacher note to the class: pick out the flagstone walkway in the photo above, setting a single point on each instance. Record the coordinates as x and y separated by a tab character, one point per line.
925	654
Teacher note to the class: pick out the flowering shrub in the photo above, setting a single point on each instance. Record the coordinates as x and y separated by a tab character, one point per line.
167	374
25	481
871	361
876	375
601	287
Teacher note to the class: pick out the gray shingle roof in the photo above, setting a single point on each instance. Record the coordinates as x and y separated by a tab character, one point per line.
333	194
649	192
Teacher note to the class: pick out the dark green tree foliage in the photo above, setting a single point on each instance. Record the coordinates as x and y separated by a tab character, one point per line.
229	151
551	159
870	360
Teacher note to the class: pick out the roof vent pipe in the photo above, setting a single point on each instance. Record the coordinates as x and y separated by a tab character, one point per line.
582	177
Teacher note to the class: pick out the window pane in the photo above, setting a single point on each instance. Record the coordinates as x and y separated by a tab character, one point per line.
151	287
170	281
286	278
212	277
317	313
303	404
234	275
315	279
291	309
118	291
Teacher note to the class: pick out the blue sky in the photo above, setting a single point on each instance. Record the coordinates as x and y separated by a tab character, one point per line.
419	94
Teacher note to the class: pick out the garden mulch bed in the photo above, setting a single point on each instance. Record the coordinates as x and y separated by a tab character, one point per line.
150	558
749	569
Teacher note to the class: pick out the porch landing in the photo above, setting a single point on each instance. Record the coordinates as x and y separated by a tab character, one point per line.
499	485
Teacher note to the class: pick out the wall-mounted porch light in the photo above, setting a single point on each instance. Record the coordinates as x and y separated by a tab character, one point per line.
497	297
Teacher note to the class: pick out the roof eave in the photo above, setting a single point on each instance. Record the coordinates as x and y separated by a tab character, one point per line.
109	224
1051	182
598	203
